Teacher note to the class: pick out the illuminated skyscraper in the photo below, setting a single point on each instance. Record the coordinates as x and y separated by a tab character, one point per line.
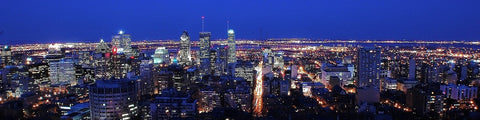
102	47
184	55
368	67
161	56
204	56
205	44
218	60
113	99
231	46
6	56
62	72
122	41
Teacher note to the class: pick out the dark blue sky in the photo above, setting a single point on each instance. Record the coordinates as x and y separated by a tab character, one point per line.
41	21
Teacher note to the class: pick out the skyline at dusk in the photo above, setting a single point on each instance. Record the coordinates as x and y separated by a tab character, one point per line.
240	60
90	21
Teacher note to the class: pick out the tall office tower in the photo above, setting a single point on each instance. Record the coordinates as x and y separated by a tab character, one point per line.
268	56
62	73
278	60
161	56
146	82
102	47
6	56
15	81
368	67
118	65
184	55
231	46
122	41
205	44
39	73
100	60
411	68
113	99
219	59
204	47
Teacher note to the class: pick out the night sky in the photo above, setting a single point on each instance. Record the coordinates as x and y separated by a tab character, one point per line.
47	21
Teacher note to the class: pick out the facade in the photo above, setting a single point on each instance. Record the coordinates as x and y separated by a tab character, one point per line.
102	47
122	41
342	72
239	99
6	56
459	92
62	73
389	84
113	99
146	81
368	94
219	59
425	100
245	70
411	68
184	55
173	105
161	56
368	67
204	53
231	47
209	100
404	85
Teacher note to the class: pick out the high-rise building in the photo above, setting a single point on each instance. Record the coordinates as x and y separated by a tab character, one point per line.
425	99
184	55
102	47
231	47
161	56
204	55
118	66
204	44
411	68
6	56
113	99
172	104
268	56
218	60
146	82
122	41
459	92
368	67
62	72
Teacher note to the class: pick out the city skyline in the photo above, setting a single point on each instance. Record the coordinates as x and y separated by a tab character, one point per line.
39	22
208	59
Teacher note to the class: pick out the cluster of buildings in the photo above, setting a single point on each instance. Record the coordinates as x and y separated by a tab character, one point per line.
223	79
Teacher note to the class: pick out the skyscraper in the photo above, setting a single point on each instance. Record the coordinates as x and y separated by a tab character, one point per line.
161	56
411	68
204	52
113	99
231	46
368	67
218	60
62	72
205	44
184	55
6	56
102	47
122	42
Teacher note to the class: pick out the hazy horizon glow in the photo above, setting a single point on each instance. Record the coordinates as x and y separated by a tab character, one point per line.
89	21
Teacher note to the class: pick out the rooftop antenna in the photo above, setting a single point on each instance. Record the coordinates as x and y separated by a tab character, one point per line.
203	22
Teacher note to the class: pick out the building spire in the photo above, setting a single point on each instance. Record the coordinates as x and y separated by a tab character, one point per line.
203	23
